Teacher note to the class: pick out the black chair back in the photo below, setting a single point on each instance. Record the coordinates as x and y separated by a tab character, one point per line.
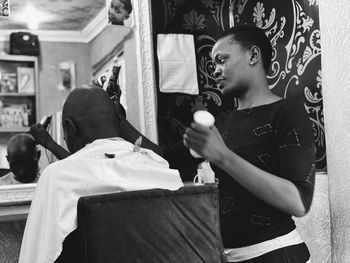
151	226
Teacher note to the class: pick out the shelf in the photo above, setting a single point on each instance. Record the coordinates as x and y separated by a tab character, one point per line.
14	129
15	94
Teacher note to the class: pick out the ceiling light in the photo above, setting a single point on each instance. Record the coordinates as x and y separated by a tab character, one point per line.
32	17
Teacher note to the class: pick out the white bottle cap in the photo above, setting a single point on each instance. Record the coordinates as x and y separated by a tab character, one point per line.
204	118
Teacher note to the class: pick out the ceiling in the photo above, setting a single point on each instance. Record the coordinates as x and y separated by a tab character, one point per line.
64	14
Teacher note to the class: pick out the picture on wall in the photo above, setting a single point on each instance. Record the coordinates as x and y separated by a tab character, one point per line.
25	80
68	78
8	82
4	8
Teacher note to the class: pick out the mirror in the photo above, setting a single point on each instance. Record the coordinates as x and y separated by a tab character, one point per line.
70	40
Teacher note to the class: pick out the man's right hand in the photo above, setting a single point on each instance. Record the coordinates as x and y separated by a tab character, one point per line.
40	134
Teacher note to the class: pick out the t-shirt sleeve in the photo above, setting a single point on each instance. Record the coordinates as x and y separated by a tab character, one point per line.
297	151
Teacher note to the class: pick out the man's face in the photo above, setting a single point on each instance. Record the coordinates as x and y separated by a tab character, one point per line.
25	169
117	13
231	66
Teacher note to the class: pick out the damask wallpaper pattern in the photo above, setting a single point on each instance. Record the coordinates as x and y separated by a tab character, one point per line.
293	28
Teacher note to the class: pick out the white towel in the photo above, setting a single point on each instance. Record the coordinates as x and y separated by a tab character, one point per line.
53	212
177	64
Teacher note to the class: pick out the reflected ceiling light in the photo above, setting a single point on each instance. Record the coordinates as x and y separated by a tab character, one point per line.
32	17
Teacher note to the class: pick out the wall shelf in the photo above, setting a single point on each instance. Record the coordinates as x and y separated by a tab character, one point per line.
16	94
14	129
19	105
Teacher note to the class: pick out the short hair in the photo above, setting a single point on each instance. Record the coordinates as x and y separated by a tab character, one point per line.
248	35
127	5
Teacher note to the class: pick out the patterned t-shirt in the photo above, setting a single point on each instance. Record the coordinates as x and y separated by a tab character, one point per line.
277	138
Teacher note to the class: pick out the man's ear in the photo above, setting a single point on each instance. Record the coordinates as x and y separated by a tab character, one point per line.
69	127
255	55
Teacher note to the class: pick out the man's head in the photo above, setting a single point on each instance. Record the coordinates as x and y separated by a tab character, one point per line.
23	157
119	11
88	114
238	54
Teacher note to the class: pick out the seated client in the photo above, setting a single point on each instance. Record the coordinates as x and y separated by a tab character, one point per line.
23	157
101	162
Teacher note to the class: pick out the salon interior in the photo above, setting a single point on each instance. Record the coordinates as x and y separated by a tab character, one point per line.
75	42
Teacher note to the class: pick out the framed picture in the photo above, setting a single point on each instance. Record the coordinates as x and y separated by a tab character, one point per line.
68	78
4	8
25	80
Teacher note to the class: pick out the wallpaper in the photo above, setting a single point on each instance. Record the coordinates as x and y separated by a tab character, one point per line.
205	19
293	29
315	227
335	28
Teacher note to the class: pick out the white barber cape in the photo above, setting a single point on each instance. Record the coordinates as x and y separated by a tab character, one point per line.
92	170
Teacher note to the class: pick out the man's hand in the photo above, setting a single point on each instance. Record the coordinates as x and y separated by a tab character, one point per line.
40	135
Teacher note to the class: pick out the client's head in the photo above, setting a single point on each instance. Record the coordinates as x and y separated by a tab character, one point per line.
23	156
88	114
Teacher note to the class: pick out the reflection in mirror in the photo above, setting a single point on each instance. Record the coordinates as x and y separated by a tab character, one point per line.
75	44
78	41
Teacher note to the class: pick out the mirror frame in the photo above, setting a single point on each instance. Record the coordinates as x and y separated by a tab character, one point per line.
13	197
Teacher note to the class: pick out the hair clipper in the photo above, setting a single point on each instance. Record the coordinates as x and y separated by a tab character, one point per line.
46	121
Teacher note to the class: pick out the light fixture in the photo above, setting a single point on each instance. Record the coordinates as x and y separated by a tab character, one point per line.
32	16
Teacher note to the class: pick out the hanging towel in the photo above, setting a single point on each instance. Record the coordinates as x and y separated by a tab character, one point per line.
177	63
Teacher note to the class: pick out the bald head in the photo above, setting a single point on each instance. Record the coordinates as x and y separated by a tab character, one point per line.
23	157
21	146
88	114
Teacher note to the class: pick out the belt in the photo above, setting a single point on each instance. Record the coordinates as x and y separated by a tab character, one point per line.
256	250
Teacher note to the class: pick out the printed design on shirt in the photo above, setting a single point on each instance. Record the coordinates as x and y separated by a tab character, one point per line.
260	220
267	128
311	176
292	139
267	160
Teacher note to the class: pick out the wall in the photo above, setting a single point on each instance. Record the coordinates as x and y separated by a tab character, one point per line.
335	29
104	47
51	98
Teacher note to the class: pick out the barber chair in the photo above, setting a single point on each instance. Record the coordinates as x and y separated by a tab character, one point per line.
147	226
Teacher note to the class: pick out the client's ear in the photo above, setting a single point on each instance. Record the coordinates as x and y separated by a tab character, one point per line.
69	127
70	134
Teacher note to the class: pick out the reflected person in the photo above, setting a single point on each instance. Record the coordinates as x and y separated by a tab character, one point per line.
23	157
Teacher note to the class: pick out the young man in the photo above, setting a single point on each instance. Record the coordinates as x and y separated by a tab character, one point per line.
101	162
262	153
